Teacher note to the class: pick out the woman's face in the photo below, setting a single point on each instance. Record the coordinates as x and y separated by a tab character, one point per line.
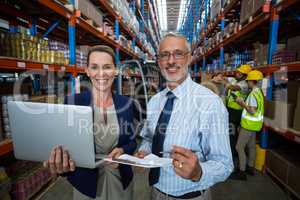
101	71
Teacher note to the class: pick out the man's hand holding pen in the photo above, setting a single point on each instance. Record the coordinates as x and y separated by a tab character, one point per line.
186	163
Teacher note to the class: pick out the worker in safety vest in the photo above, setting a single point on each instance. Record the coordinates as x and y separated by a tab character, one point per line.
236	88
251	123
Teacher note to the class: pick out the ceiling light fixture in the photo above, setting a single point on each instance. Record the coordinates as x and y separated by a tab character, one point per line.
182	13
162	12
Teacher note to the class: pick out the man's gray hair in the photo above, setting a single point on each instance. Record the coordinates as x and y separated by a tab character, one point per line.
176	35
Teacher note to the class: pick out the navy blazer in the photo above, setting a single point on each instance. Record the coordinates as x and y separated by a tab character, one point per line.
85	180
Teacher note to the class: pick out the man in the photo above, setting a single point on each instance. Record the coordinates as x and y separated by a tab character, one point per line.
236	88
188	123
251	122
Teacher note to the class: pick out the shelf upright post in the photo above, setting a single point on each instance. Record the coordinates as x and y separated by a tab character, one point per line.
33	26
13	26
117	58
205	39
222	47
142	8
72	50
195	34
142	25
51	28
133	7
273	36
33	32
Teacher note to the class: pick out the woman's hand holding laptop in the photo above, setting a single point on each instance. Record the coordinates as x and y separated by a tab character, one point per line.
59	161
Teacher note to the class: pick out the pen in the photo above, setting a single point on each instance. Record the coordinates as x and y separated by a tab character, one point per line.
169	152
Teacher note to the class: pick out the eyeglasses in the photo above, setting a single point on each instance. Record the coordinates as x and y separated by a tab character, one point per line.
164	56
106	67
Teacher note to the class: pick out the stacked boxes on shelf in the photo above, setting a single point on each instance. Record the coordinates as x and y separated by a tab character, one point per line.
234	60
129	18
90	11
293	44
249	8
125	42
283	56
108	29
285	164
231	28
5	184
296	122
81	58
24	46
27	178
5	117
283	110
215	9
214	66
56	46
261	53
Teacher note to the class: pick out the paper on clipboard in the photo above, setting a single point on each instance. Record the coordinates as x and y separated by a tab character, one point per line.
150	161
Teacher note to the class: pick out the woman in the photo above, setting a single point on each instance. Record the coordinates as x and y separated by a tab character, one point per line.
113	118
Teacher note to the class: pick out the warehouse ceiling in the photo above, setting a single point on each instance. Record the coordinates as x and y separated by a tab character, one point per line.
172	12
173	7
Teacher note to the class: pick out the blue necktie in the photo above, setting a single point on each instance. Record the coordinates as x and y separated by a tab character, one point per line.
159	135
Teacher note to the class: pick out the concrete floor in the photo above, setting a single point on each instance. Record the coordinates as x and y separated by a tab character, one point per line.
259	187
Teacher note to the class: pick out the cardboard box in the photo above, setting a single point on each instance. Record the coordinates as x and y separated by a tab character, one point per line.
246	10
283	114
250	8
269	109
89	10
293	92
293	44
296	123
44	99
257	4
261	52
298	98
215	9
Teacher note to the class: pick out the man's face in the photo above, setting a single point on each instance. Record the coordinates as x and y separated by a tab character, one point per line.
239	75
251	84
174	59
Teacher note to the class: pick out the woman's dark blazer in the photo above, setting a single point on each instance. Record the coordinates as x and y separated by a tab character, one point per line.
85	180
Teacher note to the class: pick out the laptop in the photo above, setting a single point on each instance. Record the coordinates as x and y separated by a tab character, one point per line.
36	128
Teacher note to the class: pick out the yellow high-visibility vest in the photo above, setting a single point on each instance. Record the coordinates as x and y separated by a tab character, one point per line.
254	122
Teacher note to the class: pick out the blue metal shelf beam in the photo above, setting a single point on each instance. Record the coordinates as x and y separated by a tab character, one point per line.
51	28
33	27
273	38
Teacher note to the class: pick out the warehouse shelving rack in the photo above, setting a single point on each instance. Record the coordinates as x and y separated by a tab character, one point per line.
75	22
269	17
6	147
